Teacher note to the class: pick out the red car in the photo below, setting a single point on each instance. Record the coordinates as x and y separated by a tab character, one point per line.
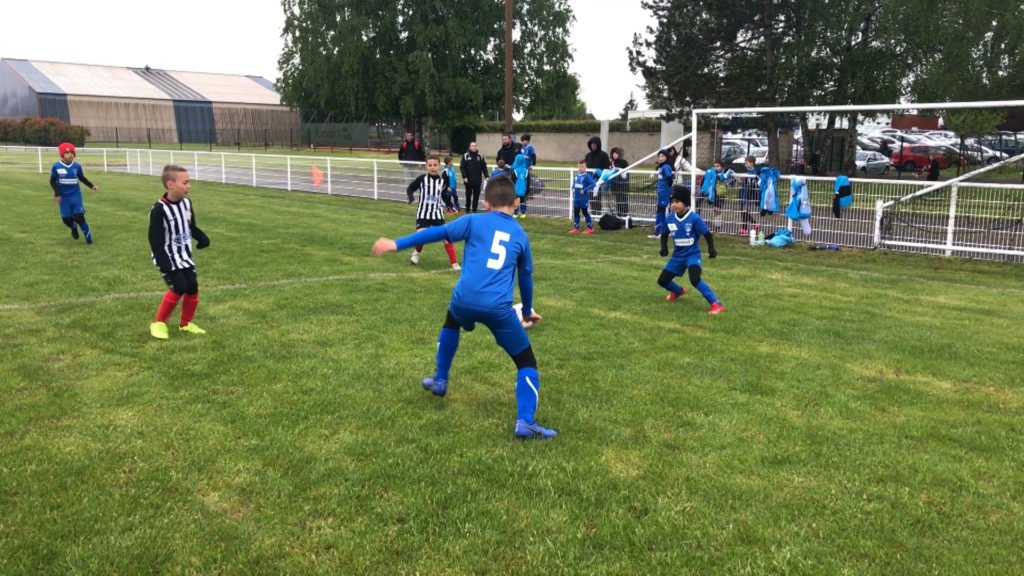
918	157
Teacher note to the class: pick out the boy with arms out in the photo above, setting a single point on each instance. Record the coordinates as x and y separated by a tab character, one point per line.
582	187
686	226
496	250
432	187
64	177
172	225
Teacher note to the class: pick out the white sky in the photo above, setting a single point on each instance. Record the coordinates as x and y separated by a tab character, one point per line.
244	37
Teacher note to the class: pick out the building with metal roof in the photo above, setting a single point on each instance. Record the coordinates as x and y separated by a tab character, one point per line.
145	104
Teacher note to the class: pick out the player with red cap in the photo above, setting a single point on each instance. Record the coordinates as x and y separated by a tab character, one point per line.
64	177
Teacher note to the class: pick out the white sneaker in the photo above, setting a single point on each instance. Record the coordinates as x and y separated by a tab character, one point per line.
456	267
415	258
653	236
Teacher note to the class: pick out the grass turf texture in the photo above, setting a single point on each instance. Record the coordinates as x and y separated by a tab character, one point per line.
851	412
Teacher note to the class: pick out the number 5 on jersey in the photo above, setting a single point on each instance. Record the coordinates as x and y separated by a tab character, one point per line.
498	249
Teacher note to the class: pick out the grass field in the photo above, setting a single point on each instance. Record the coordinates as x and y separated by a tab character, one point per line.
851	412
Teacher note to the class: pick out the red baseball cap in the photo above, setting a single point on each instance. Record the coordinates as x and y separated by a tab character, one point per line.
65	148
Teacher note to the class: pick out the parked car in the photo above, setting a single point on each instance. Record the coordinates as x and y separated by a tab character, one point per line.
1006	144
871	163
983	154
760	157
918	156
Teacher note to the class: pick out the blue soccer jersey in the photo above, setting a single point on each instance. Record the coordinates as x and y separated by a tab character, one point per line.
686	232
664	184
582	186
66	177
496	248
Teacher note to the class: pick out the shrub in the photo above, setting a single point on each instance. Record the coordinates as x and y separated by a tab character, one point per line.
41	132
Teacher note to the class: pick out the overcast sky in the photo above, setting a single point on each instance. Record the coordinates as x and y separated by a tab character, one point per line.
244	37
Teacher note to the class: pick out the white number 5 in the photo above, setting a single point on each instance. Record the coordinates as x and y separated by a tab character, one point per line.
498	249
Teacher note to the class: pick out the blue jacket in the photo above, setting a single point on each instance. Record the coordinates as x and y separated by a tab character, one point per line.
769	181
664	184
844	190
453	181
710	184
521	168
800	201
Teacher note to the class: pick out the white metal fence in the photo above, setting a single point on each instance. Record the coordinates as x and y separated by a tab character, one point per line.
986	218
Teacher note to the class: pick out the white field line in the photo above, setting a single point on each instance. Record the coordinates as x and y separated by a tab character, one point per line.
375	275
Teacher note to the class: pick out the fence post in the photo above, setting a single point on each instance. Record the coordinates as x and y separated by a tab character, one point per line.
878	223
105	169
253	170
195	161
172	156
288	165
223	171
952	219
117	140
376	188
39	153
149	138
150	161
328	175
127	161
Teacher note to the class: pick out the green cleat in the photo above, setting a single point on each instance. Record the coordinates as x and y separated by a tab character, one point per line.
158	330
191	328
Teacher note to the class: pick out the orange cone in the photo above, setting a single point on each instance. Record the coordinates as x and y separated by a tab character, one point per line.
318	175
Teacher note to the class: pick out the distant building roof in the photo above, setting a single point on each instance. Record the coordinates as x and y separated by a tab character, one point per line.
146	83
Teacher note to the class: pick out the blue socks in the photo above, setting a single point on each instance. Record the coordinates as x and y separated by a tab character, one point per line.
706	292
447	345
527	393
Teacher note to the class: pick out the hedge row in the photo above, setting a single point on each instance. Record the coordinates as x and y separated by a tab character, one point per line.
638	125
41	132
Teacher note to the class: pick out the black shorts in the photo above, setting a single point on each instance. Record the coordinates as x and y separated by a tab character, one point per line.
182	281
428	222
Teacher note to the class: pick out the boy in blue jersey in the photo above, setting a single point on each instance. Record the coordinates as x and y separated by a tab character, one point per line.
64	177
664	188
496	250
686	226
582	187
521	171
451	201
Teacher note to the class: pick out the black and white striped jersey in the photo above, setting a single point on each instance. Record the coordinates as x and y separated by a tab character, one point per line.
430	187
172	225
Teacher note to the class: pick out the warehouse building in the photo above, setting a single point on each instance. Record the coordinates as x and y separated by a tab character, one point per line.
145	104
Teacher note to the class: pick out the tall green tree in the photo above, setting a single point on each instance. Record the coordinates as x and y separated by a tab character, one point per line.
425	63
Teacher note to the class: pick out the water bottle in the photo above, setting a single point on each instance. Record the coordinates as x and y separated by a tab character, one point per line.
753	237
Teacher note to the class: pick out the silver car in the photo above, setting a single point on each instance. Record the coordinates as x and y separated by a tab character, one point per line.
869	163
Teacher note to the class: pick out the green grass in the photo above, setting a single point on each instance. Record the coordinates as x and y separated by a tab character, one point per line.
851	412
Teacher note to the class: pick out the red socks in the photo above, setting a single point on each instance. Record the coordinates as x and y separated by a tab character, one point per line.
450	249
188	308
167	306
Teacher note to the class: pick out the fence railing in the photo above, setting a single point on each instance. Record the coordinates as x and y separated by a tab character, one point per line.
992	209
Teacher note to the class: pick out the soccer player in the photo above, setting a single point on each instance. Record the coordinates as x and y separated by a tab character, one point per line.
172	226
664	188
451	202
686	226
64	177
496	249
433	187
582	187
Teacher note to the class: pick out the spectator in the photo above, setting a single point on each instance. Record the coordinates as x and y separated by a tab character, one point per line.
596	159
816	163
620	184
508	150
884	149
682	166
474	174
412	156
933	170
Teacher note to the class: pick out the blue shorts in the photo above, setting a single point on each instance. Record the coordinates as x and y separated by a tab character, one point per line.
504	324
679	265
71	205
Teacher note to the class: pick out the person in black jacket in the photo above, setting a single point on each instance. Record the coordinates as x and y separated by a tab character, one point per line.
412	156
620	184
508	150
474	173
596	159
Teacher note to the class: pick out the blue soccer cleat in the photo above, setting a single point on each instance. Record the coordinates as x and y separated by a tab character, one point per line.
88	237
438	387
526	430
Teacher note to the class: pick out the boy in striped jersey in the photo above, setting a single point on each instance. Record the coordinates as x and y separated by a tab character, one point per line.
64	177
432	187
497	250
172	226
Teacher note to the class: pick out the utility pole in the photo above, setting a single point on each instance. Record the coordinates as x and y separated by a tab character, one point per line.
508	65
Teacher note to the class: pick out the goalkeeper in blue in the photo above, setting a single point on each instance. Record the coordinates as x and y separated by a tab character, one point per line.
685	227
496	250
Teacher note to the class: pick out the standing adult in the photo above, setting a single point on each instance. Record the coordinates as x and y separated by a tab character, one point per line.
620	184
596	159
474	173
412	156
508	150
933	170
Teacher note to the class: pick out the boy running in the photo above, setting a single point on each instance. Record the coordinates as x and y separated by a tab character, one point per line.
432	188
686	226
64	177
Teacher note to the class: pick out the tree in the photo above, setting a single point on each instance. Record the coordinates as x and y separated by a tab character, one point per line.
424	62
630	106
